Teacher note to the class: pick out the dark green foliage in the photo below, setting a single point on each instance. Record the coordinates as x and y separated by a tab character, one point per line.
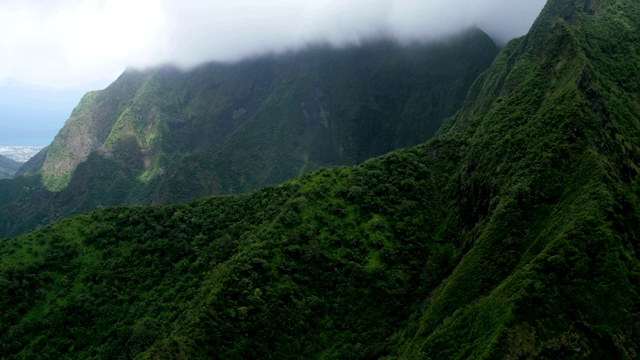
514	233
296	259
546	174
166	136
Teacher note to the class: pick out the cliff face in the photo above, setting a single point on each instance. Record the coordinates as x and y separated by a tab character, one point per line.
272	117
87	129
166	136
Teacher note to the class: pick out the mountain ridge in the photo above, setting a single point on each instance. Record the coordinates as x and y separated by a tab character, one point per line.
164	135
572	62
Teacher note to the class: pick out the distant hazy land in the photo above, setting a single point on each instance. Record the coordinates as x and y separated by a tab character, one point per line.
20	153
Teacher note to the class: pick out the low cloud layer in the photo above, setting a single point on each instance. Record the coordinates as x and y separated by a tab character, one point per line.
70	42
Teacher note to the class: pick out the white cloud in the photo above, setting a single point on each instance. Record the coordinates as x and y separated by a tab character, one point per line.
65	43
69	42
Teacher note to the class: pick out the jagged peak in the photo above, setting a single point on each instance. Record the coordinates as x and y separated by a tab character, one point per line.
568	9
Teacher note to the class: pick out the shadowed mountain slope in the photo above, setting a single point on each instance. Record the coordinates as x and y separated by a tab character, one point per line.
512	234
164	136
8	167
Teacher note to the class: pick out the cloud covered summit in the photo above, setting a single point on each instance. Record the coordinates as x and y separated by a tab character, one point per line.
70	42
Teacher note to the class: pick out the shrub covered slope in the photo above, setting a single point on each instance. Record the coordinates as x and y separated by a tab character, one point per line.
512	234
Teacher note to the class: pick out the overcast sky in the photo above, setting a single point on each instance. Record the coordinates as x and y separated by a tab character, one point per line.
53	51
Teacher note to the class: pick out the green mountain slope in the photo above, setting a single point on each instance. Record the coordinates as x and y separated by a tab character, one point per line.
8	167
165	136
512	234
549	195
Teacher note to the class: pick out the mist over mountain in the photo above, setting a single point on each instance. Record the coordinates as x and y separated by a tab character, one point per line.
512	234
68	43
230	33
54	52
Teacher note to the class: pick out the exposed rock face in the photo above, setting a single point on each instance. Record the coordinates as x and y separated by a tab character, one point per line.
88	128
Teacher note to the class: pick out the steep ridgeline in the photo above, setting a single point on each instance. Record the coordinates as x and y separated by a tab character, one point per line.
165	136
8	167
514	233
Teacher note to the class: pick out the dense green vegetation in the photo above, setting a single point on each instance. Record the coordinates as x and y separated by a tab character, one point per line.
291	259
165	136
514	233
8	167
